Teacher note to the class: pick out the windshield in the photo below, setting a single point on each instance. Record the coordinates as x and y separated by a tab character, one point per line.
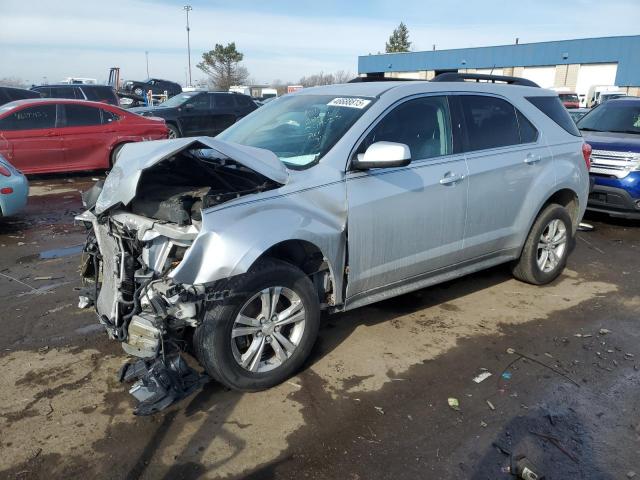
619	117
299	129
178	100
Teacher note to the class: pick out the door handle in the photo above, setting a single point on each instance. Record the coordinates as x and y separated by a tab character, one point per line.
451	179
532	158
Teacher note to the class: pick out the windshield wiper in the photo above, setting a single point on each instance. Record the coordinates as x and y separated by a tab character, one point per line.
626	131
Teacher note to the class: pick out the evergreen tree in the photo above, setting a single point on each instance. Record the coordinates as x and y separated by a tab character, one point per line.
399	40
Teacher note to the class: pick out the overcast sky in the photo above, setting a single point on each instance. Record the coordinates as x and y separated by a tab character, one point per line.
280	39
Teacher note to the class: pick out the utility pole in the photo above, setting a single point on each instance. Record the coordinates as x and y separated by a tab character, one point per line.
146	54
188	8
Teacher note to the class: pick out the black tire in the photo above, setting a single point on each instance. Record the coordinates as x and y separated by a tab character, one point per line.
212	340
526	268
114	154
139	91
174	132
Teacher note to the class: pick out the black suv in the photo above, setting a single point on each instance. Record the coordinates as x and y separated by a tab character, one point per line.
191	114
9	94
156	85
95	93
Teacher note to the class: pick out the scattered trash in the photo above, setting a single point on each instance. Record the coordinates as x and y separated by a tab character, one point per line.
380	410
483	376
410	417
43	278
547	354
585	227
604	331
483	424
512	351
506	375
628	355
631	474
490	405
525	469
453	403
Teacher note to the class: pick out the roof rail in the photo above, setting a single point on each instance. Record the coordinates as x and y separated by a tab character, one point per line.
384	79
461	77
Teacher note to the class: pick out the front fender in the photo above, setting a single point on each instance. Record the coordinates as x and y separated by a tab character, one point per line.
233	238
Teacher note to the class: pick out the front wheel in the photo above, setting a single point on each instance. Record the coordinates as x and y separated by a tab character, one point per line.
264	331
547	247
173	131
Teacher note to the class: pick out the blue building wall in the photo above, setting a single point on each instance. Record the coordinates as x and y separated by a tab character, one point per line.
625	51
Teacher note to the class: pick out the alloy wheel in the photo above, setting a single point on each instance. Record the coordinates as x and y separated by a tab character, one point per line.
268	329
552	245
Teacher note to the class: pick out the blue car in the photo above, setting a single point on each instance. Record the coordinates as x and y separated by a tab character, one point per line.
14	189
613	131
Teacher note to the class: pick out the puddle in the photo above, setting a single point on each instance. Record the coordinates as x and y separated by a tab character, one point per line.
60	252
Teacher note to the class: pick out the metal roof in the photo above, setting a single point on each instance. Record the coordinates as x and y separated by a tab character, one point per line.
622	50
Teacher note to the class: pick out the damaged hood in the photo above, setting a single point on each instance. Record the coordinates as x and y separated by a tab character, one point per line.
122	182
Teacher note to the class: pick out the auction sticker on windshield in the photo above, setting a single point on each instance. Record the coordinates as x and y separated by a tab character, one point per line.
349	102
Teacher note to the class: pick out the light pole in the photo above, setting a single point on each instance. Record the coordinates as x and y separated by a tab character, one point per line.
188	8
146	54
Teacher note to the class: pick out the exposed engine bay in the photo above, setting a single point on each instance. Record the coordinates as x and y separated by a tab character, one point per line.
135	244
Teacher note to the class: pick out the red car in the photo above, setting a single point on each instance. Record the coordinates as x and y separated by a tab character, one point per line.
58	135
569	99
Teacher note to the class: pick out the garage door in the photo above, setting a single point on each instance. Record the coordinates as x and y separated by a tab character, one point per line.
543	76
598	74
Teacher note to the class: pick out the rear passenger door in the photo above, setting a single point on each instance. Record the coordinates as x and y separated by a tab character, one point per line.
224	112
504	154
406	222
85	139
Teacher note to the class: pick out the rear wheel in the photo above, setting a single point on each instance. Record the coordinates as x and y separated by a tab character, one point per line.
264	331
138	91
173	131
546	250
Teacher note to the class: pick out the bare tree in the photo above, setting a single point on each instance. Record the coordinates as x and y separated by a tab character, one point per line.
13	82
325	78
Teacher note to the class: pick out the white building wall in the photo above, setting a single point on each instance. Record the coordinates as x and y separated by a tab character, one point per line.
543	76
595	74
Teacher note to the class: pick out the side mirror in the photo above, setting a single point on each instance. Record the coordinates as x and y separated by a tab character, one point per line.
383	155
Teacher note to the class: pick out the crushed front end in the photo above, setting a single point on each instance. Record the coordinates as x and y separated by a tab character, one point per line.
126	267
141	224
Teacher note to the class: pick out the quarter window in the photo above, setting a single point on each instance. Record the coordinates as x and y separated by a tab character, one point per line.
528	133
109	117
31	118
423	124
82	116
491	122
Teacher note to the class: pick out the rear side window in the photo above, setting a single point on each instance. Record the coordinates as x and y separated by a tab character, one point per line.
62	92
552	107
528	133
44	92
243	100
99	94
423	124
224	100
491	122
109	117
31	118
82	116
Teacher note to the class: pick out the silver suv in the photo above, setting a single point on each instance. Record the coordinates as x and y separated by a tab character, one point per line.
332	198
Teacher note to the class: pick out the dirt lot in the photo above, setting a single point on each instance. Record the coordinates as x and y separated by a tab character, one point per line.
373	400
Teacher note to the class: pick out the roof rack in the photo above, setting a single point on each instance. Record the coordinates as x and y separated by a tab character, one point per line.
461	77
383	79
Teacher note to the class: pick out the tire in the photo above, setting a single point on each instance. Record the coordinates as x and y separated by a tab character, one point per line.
139	91
222	355
528	267
173	131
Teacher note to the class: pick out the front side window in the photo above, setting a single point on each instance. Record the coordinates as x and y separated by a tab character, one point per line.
82	116
617	117
491	122
224	100
299	129
179	100
423	124
30	118
199	102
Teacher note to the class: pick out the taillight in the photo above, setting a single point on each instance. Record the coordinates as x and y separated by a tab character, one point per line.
586	153
4	171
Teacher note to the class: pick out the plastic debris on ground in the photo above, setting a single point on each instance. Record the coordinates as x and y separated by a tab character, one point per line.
454	403
482	376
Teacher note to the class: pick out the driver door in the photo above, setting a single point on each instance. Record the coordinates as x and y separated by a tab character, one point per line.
196	117
406	222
